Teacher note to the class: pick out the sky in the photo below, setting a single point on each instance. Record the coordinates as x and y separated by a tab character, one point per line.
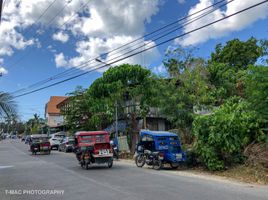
41	39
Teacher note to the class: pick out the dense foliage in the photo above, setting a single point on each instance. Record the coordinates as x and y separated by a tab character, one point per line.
219	106
222	136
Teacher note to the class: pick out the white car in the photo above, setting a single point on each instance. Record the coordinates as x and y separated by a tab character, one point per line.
54	143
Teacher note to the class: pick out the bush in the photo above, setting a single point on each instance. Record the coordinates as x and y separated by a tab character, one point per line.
222	136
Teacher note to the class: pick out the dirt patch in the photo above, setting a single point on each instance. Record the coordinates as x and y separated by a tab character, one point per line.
249	174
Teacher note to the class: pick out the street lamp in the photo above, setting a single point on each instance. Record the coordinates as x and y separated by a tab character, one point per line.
116	113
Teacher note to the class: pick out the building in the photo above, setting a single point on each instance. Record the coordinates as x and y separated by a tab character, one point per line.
53	116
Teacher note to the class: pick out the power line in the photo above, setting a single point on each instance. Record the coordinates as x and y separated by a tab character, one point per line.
49	23
51	78
156	39
125	46
167	32
171	39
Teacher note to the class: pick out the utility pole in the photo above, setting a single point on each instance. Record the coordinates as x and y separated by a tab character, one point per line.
1	6
116	109
116	121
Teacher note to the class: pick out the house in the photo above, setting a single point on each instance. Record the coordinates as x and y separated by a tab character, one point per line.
52	113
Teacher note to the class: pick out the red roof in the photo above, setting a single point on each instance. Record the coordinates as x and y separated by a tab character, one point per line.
51	106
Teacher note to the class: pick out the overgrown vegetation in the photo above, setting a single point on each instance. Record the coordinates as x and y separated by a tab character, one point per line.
219	105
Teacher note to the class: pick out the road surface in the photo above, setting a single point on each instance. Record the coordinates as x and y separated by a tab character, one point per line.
58	176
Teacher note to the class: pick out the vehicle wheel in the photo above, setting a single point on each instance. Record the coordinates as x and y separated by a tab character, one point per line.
157	164
87	166
82	164
174	165
110	163
140	160
48	152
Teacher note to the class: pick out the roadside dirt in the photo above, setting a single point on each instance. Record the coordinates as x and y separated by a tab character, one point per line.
240	174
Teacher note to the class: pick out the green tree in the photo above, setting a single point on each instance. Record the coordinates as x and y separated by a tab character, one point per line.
256	87
222	136
237	54
228	67
8	106
187	88
127	86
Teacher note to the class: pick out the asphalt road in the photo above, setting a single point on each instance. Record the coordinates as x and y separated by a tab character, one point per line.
24	177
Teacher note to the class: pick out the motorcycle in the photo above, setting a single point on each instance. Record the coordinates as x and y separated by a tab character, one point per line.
115	150
150	158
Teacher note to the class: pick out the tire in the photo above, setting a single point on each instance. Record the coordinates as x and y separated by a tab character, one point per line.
140	160
81	164
157	164
48	152
110	163
174	165
87	166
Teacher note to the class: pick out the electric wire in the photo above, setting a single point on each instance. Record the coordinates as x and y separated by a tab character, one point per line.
170	30
159	44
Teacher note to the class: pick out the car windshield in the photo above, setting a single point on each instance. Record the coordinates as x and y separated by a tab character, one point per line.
71	141
39	140
100	138
87	138
174	149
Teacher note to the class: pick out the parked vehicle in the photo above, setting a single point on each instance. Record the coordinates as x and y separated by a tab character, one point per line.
39	143
54	143
156	146
151	158
93	147
66	145
56	139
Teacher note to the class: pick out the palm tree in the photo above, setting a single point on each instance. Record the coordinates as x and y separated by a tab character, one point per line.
8	106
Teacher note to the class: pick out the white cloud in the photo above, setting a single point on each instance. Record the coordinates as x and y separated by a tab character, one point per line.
160	70
235	23
60	36
3	70
93	47
60	60
98	27
110	26
181	1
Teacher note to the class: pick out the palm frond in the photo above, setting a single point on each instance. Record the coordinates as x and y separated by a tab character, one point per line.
8	106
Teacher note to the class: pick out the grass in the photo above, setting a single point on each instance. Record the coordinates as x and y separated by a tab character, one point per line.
249	174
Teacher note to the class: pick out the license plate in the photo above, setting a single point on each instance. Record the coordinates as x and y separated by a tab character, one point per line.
103	151
179	156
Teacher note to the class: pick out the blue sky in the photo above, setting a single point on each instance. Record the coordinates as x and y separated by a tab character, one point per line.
34	48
